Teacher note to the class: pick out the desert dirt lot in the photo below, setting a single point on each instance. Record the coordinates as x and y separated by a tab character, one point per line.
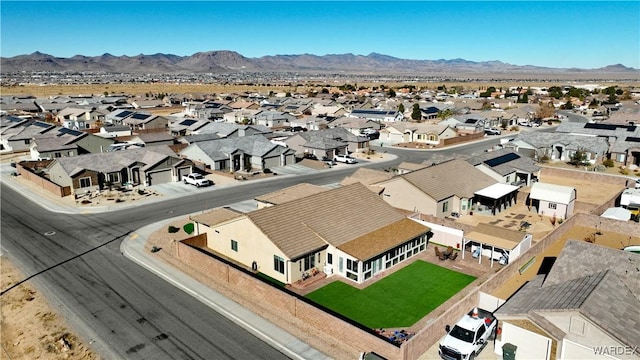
30	327
172	88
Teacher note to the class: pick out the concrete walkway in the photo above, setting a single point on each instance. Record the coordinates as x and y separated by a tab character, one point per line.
133	247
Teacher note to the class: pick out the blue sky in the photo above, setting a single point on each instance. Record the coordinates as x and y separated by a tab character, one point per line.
582	34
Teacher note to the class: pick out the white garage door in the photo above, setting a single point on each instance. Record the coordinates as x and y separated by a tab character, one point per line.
160	177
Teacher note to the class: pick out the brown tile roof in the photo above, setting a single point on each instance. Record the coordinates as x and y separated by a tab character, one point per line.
376	242
335	216
455	177
215	217
291	193
367	177
411	166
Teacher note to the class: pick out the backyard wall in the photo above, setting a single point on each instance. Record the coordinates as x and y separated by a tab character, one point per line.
287	306
582	175
283	304
26	170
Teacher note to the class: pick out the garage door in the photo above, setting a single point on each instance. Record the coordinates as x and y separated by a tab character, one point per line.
183	171
160	177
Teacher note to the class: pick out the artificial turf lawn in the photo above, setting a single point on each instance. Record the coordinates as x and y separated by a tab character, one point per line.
398	300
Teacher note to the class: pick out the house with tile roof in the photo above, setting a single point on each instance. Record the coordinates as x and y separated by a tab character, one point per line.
438	190
378	115
624	140
288	194
506	166
355	125
327	143
316	233
140	166
417	132
559	146
589	298
245	153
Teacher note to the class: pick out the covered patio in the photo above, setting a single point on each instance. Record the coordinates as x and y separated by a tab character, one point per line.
497	197
496	243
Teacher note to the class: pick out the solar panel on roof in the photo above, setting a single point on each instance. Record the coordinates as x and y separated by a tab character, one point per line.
471	121
125	113
139	116
632	139
188	122
502	159
72	132
41	124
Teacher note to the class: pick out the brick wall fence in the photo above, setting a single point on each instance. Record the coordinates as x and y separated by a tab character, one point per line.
26	170
286	305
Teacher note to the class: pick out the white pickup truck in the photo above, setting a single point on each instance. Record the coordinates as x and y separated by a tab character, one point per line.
196	179
469	336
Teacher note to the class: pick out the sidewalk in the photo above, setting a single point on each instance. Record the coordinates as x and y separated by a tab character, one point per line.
133	247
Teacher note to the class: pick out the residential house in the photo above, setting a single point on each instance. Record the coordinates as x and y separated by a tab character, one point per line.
181	127
148	103
274	118
241	116
63	142
377	115
552	200
149	139
624	140
142	121
588	300
470	123
559	146
355	125
416	132
245	153
368	177
288	194
407	167
327	143
328	110
317	233
437	190
226	130
506	166
117	116
140	166
16	134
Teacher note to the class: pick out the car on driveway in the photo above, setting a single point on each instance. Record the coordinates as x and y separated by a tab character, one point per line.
492	131
196	179
345	159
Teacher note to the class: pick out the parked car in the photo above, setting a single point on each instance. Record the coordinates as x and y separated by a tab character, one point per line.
468	336
492	131
196	179
345	159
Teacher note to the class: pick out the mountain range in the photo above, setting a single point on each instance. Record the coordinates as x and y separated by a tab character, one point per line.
225	61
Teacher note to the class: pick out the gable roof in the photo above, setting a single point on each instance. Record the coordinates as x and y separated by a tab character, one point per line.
255	145
454	177
552	192
112	161
584	278
335	217
367	177
291	193
504	162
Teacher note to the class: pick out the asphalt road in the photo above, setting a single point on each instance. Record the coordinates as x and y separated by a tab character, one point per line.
125	311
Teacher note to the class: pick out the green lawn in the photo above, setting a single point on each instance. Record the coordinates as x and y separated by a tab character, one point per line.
398	300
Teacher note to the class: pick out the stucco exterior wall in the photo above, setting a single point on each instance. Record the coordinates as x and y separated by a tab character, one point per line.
399	193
